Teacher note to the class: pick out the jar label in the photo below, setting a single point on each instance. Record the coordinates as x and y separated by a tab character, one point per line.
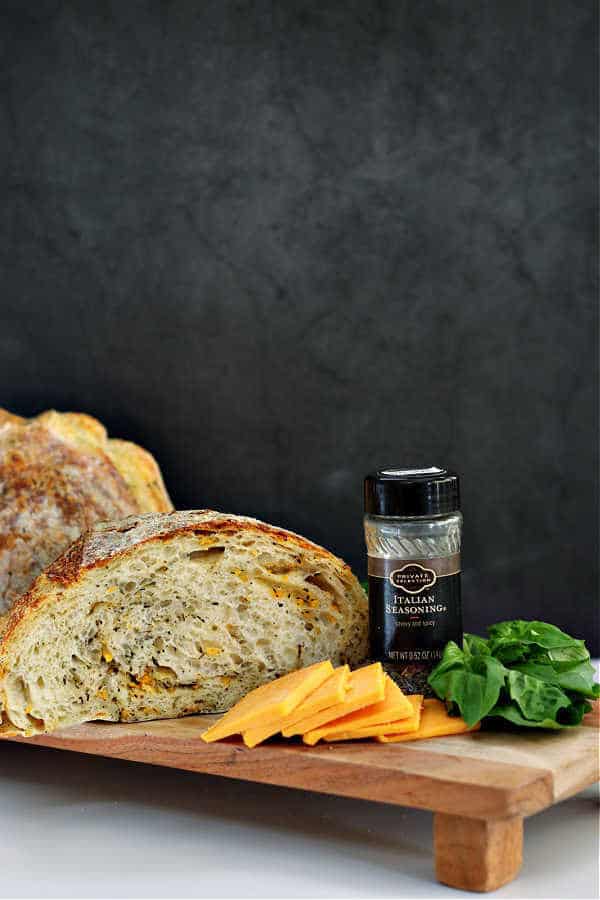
414	609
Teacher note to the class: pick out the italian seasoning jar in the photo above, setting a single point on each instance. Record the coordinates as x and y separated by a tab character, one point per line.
413	530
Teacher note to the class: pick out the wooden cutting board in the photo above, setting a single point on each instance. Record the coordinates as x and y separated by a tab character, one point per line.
480	786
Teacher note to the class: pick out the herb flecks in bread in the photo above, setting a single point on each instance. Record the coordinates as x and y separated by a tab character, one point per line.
164	615
59	475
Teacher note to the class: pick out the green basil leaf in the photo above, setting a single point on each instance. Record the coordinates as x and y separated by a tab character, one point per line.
475	645
536	699
574	713
473	683
510	712
528	673
563	658
452	658
529	632
579	679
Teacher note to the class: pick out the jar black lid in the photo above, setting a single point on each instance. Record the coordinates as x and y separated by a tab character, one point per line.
412	492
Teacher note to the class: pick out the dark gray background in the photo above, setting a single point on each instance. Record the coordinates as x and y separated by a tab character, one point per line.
280	244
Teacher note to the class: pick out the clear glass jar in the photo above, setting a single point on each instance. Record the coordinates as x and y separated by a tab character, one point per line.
413	527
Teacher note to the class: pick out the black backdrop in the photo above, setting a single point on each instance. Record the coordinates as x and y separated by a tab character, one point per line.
282	243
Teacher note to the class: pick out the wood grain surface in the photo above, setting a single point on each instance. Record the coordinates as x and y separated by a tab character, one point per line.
482	775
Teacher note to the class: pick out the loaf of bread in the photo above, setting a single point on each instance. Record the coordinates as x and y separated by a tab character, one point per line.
162	615
59	475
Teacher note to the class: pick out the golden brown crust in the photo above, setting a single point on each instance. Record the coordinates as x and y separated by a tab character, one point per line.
142	474
58	479
138	467
7	417
107	541
78	429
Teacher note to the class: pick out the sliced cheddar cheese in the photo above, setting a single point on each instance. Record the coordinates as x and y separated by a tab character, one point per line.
367	686
329	693
435	722
395	705
351	733
270	702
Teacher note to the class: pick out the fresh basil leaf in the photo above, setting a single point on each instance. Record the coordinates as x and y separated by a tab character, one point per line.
567	718
563	658
529	632
510	712
579	679
475	645
536	699
510	653
574	713
522	641
476	692
473	683
528	673
452	658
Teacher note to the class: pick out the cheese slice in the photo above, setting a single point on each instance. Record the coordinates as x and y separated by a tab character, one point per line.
367	686
435	722
395	705
270	702
407	724
329	693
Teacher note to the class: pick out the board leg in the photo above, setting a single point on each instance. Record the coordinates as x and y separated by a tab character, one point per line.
477	854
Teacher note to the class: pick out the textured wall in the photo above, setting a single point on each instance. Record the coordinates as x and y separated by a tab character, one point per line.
283	243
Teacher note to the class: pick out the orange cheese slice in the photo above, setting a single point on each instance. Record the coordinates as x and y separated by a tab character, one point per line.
329	693
367	686
435	722
407	724
395	705
270	702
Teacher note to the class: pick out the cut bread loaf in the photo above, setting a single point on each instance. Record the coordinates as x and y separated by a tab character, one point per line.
59	475
159	616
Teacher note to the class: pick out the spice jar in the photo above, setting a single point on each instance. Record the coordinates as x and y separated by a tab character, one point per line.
413	530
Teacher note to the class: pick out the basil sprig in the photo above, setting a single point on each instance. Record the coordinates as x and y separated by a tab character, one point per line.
531	674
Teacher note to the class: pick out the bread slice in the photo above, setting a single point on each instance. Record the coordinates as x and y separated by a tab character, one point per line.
162	615
59	475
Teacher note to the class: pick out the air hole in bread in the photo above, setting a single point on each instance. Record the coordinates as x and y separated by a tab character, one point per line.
159	610
319	581
210	556
165	673
39	723
127	588
279	568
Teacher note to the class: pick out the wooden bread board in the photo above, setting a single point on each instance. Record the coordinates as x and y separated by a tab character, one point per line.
480	785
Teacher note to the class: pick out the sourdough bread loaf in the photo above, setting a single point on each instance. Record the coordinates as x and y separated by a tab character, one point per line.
159	616
59	475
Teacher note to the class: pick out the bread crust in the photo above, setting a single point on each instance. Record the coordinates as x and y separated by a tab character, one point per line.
58	477
142	474
106	541
139	620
